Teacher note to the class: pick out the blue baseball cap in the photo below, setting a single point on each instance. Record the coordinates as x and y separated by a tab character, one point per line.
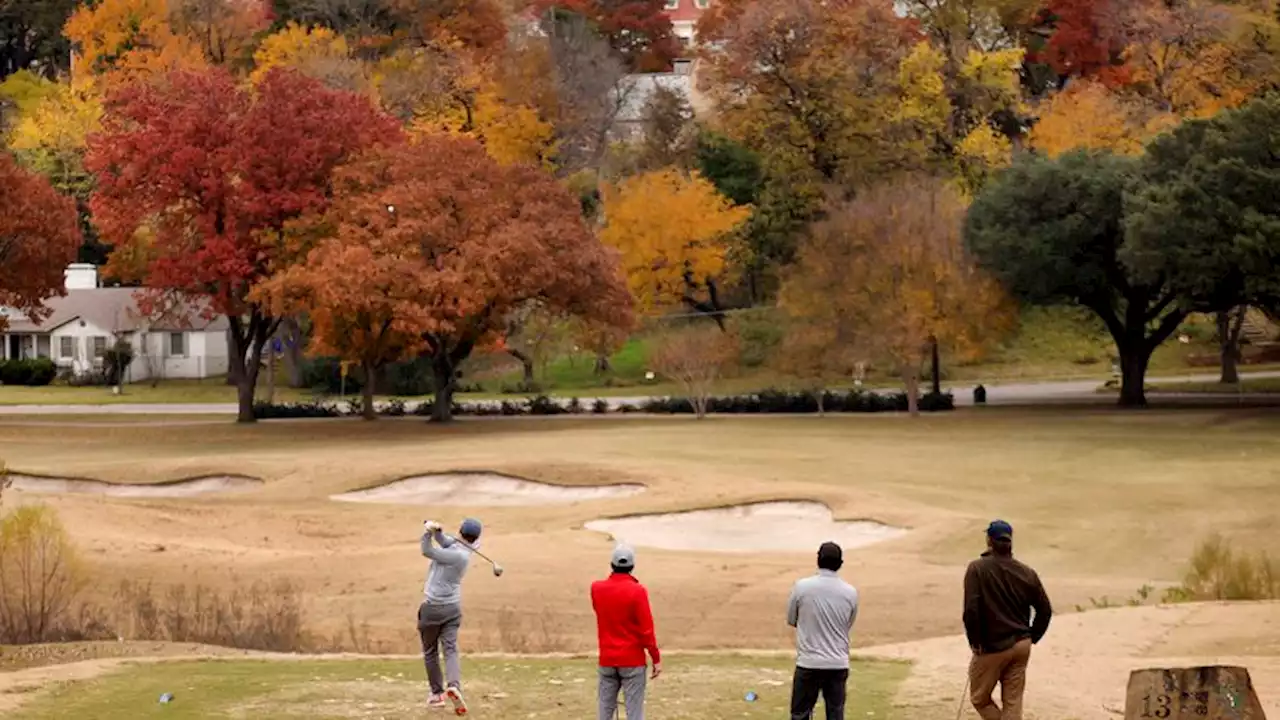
470	527
1000	530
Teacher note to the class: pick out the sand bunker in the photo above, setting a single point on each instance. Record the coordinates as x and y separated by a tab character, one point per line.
759	527
483	488
171	489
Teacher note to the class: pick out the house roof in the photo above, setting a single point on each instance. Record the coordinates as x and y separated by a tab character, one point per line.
116	310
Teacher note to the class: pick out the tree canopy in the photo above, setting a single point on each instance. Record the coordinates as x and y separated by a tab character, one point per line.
213	174
39	235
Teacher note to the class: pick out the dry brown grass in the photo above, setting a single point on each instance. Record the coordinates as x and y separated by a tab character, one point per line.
1103	502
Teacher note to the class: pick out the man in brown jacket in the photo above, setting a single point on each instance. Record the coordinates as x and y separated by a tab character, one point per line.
1000	596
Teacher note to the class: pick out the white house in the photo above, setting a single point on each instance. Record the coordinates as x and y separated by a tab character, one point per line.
179	343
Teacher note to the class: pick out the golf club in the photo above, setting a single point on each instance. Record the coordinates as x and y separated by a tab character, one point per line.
497	569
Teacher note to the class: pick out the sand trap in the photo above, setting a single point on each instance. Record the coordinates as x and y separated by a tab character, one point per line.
786	526
170	489
483	488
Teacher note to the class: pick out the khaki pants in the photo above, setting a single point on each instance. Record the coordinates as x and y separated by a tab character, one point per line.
1009	669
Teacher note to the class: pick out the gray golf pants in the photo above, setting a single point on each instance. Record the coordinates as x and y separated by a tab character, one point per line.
438	627
631	680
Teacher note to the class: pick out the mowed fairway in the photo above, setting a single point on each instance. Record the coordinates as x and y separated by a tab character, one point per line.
1103	502
695	689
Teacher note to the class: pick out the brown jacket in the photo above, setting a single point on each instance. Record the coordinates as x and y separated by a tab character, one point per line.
999	595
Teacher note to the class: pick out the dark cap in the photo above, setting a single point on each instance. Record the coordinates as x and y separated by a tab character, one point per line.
470	528
1000	530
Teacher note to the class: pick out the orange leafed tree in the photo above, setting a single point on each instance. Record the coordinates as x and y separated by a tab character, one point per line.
39	235
360	295
670	228
889	273
472	239
120	41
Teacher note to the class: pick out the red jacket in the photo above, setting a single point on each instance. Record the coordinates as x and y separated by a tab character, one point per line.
624	622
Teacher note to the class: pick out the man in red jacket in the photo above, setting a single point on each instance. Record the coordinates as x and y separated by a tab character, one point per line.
624	624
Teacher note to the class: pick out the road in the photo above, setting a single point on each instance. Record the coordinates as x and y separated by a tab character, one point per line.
1071	391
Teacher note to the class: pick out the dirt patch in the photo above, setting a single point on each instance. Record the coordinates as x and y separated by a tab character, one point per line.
785	525
189	487
483	488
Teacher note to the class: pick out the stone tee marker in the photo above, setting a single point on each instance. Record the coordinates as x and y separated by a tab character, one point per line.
1208	693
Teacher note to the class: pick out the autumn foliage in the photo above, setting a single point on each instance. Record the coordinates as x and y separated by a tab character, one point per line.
39	234
448	242
210	175
671	229
888	274
638	30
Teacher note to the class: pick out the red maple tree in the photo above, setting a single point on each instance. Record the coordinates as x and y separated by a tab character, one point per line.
208	175
1088	40
638	30
39	236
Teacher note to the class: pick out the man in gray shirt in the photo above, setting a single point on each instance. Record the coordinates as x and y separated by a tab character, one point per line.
822	609
440	613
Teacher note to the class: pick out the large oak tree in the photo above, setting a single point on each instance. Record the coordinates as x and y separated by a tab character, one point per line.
454	242
214	174
1053	231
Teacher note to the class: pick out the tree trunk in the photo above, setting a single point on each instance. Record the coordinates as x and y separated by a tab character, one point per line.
526	363
366	392
271	375
292	338
245	343
1229	330
822	402
912	381
245	385
1133	375
602	364
443	376
937	367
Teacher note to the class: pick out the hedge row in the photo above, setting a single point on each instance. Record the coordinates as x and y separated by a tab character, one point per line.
768	401
35	372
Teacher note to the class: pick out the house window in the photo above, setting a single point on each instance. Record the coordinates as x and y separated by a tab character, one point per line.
673	4
177	344
99	347
66	347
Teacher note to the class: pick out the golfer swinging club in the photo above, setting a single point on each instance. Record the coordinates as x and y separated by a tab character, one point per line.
440	614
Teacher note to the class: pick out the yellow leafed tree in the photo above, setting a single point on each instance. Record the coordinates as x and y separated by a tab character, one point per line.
1089	115
670	228
311	50
52	136
888	274
510	132
122	40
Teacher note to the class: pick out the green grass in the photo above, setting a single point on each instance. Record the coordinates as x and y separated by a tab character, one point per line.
209	390
692	688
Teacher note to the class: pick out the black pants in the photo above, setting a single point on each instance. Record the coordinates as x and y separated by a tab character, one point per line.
808	684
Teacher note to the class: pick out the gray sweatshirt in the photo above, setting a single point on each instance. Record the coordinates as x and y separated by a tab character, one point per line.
449	563
822	609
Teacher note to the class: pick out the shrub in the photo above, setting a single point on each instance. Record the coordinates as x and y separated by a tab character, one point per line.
1219	572
33	372
116	361
394	408
543	405
270	411
600	406
257	617
41	371
40	576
